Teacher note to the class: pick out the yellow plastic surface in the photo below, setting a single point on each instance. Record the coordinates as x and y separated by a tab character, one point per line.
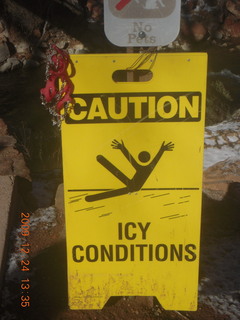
133	226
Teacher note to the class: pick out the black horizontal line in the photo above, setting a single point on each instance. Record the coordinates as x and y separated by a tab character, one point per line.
93	208
76	200
184	215
105	214
172	215
88	208
79	196
160	195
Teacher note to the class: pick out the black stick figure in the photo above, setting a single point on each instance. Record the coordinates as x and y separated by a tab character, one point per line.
141	175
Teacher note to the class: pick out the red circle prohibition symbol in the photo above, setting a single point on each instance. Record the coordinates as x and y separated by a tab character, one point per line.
122	4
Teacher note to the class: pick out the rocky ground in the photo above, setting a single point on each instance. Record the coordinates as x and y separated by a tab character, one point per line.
24	42
212	26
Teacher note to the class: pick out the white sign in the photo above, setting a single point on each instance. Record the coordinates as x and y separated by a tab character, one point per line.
137	23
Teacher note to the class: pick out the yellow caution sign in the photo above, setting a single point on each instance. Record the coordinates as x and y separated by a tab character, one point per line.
132	157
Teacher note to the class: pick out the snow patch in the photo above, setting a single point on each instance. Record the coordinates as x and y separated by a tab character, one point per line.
222	143
215	155
45	216
220	140
224	126
225	73
210	142
233	139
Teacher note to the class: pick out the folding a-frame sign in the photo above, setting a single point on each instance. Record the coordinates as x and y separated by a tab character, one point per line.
132	157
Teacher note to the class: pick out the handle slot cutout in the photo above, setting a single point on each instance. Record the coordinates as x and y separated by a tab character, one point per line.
142	75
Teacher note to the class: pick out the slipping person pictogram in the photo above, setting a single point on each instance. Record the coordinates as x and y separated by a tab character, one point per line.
143	170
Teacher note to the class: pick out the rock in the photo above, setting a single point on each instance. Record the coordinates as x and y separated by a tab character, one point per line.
201	19
2	26
37	33
30	63
6	66
222	142
3	128
7	141
199	31
217	178
188	6
223	94
234	8
11	160
47	229
185	46
70	51
222	157
95	10
185	28
8	201
4	52
10	65
232	27
13	163
39	54
236	115
78	48
62	44
59	198
19	166
22	46
43	45
15	63
97	13
21	15
4	35
233	194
